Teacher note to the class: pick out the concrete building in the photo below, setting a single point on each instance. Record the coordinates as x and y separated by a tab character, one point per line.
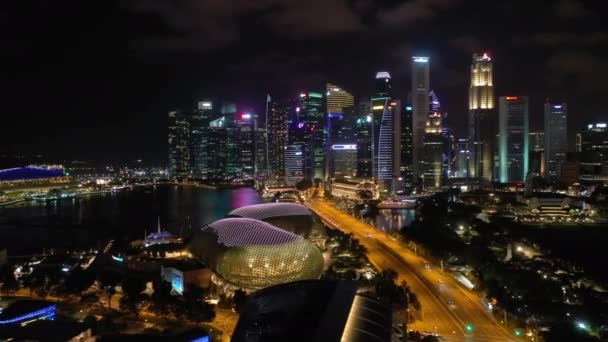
321	310
179	144
482	121
594	153
513	135
420	108
556	138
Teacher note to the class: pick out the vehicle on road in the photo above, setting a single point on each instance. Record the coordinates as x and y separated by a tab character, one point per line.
450	301
427	266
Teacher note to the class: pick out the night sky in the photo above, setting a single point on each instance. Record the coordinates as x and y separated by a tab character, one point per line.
94	79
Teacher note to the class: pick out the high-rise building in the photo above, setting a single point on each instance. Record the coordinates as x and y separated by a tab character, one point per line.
536	153
344	158
246	136
199	134
179	144
594	152
461	161
294	163
278	125
434	102
385	131
513	138
406	167
217	141
482	122
340	121
420	107
433	157
364	140
556	137
311	125
233	165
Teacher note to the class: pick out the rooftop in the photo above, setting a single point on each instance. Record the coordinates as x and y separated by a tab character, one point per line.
233	232
268	210
28	173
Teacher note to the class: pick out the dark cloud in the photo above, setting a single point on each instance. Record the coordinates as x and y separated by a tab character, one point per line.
571	8
467	43
587	71
412	12
209	24
556	39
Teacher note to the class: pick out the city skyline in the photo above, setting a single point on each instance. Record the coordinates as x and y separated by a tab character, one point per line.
105	82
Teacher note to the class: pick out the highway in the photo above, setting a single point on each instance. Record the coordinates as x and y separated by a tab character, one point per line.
432	287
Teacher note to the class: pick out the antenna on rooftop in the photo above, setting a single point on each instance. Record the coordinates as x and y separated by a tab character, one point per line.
159	223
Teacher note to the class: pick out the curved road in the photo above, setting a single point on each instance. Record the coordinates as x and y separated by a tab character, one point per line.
432	287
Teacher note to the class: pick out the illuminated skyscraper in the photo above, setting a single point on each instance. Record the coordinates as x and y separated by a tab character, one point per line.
277	135
483	123
385	131
434	102
294	163
307	130
433	163
405	169
556	137
594	152
420	107
364	140
179	144
217	142
340	121
199	138
537	153
513	135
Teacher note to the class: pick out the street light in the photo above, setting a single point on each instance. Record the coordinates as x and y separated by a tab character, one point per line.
469	328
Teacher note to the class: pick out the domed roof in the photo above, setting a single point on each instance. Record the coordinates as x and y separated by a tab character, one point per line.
29	172
268	210
239	232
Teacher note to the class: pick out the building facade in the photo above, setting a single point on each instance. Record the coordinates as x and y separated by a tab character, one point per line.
180	163
278	130
482	121
594	152
433	159
364	140
556	138
513	138
344	158
200	120
406	141
420	108
536	162
310	131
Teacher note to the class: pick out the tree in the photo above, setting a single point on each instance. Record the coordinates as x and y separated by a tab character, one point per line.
89	299
240	297
7	277
108	281
162	298
304	185
196	309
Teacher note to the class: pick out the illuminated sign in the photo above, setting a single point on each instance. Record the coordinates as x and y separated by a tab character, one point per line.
420	59
298	153
119	259
393	103
246	116
297	109
201	339
509	98
408	108
557	106
590	126
317	95
378	107
177	283
344	147
383	74
204	105
600	125
369	118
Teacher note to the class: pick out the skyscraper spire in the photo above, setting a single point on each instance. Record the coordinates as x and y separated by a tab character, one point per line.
159	224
